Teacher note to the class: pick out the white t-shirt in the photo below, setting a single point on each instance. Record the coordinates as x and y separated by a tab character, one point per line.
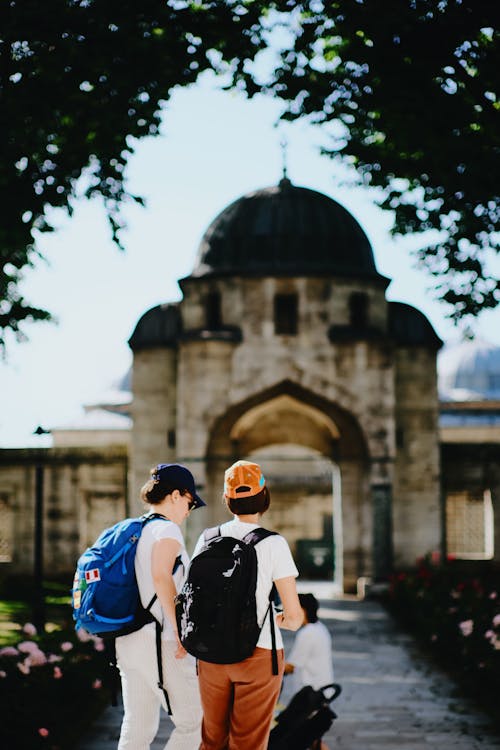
151	533
274	561
311	656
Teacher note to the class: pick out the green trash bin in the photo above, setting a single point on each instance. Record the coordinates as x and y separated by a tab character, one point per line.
314	558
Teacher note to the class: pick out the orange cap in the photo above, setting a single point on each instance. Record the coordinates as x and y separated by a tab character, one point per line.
243	479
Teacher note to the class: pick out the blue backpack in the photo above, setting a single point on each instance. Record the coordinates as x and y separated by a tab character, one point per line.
105	595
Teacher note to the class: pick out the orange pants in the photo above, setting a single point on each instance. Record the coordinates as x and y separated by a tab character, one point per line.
238	701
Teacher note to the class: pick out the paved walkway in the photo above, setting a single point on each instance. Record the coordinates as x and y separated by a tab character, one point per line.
392	697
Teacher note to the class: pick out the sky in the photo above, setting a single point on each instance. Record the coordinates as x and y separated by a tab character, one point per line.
214	147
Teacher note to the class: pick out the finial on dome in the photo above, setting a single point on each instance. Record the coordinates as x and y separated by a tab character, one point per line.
284	182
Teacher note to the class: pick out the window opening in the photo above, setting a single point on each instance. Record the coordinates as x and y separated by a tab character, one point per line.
213	311
286	314
358	310
469	525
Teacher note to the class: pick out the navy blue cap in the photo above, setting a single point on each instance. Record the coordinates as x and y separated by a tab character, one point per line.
177	477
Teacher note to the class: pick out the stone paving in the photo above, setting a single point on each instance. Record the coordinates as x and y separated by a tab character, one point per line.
392	697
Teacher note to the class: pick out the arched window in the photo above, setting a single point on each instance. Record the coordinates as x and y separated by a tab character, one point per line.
358	310
286	308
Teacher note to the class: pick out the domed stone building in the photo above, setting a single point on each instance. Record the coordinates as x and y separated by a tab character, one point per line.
284	348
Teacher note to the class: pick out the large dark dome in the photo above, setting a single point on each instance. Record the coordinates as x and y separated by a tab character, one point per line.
285	230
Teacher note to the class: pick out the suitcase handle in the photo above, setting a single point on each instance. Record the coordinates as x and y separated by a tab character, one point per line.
335	687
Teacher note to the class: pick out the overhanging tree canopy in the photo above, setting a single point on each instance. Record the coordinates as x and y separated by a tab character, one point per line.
412	83
78	78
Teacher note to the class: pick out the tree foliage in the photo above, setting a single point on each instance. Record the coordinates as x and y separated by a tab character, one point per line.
78	80
413	83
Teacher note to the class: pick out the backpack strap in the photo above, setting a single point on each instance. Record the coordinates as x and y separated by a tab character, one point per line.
274	650
158	628
211	533
254	537
160	666
257	535
147	517
112	672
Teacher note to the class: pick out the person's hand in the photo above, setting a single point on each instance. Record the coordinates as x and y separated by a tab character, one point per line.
181	651
279	619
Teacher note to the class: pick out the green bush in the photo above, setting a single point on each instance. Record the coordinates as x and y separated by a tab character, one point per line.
51	687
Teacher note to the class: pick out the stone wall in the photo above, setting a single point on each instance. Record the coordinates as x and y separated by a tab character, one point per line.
84	490
416	498
154	415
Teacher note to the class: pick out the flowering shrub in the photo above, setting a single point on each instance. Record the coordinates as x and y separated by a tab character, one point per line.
50	689
458	614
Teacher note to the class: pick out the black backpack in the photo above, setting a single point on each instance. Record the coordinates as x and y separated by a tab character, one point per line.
216	609
305	720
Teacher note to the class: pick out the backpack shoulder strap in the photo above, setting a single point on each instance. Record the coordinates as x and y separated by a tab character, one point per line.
257	535
211	533
147	517
254	537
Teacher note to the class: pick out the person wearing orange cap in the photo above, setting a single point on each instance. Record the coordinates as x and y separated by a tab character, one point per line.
239	699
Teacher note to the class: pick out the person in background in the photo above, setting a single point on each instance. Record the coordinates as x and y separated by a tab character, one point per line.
310	659
170	492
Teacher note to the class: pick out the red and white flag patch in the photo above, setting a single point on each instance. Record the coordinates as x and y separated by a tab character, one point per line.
92	575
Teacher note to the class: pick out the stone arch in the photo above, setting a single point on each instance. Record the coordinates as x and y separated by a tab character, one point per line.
338	434
289	414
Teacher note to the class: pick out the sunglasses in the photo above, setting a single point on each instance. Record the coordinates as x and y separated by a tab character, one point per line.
191	500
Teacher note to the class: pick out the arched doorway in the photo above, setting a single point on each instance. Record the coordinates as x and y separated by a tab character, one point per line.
305	445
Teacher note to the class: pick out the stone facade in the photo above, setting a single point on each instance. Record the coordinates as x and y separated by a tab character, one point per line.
345	395
82	491
283	349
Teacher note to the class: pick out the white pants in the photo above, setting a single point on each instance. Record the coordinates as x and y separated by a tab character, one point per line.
142	698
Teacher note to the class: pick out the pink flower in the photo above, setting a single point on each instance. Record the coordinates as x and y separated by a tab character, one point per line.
66	646
36	659
496	621
22	667
53	658
9	651
2	674
57	673
97	684
490	635
27	647
493	595
83	636
467	626
29	629
43	732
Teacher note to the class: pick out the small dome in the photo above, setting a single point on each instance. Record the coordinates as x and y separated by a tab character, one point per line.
285	230
409	327
469	371
159	326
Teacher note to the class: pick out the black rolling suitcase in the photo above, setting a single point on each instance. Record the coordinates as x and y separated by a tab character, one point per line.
302	724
